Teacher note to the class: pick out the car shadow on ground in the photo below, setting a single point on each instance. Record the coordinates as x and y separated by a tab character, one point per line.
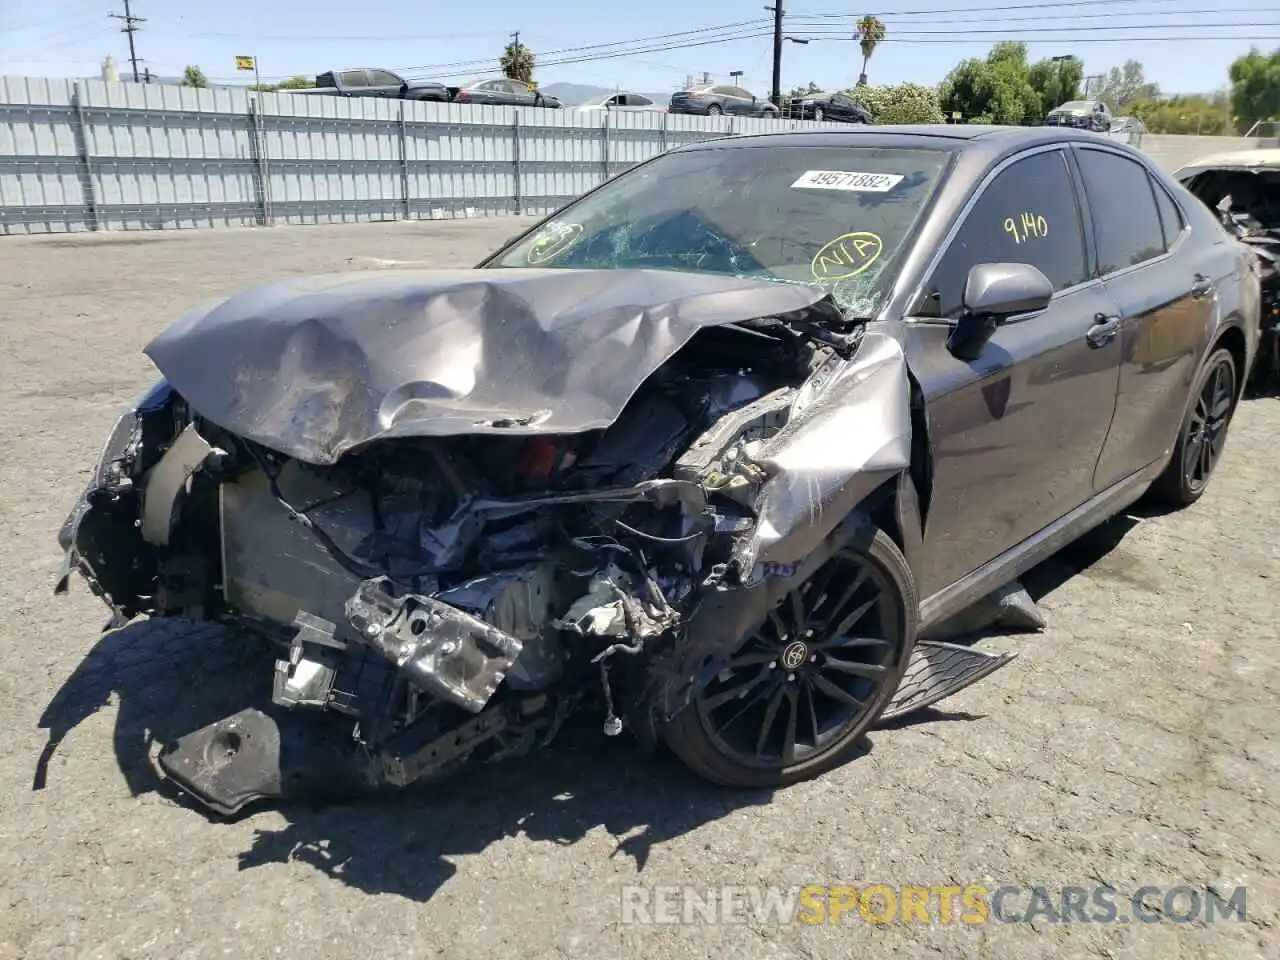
168	678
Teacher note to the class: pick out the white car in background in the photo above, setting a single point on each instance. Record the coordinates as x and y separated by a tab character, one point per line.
627	102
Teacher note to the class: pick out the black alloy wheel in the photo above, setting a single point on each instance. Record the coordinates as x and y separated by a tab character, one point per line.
1207	428
1204	433
797	696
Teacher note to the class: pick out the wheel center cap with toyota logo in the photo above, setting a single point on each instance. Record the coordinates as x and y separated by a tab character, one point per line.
795	654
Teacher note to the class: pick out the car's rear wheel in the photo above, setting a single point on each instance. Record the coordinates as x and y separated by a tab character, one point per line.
714	110
819	114
1204	433
800	692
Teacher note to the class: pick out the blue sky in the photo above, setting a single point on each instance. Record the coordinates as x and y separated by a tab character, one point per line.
926	37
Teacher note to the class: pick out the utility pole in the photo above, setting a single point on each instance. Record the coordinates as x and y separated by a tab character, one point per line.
515	38
776	95
130	27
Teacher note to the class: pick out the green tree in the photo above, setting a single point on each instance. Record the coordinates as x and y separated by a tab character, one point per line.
1125	86
293	83
1057	81
899	103
870	32
517	62
1255	87
1205	116
997	89
194	77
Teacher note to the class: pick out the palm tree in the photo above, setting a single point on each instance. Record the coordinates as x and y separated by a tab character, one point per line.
870	31
517	62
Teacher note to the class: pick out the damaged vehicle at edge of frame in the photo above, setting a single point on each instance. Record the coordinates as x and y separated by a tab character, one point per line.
1243	188
728	465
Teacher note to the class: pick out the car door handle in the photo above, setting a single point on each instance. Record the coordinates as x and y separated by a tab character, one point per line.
1103	331
1202	287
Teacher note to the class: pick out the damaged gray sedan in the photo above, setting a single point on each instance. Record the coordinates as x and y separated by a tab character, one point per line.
714	450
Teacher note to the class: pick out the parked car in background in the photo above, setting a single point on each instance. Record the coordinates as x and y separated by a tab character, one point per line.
708	450
627	102
502	91
1083	114
720	99
836	106
1243	189
375	82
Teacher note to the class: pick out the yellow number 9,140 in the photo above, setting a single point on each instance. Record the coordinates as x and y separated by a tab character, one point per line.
1027	226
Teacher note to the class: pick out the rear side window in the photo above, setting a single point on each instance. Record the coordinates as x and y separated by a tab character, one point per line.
1126	221
355	78
1027	214
1171	219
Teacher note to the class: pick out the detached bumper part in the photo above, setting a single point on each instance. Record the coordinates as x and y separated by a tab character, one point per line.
252	756
445	651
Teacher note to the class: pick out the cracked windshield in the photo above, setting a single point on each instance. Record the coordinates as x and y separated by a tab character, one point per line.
836	216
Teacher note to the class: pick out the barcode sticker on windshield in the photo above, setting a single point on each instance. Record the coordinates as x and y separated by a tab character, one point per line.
846	180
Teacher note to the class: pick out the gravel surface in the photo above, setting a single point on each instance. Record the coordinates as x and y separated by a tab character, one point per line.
1132	743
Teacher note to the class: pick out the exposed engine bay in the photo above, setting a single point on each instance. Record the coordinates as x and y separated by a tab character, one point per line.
457	595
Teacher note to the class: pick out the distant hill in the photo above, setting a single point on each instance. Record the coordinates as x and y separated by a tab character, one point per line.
573	94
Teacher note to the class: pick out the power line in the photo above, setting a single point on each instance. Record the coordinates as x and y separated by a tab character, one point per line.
604	46
1002	8
910	42
904	37
130	27
1215	11
998	30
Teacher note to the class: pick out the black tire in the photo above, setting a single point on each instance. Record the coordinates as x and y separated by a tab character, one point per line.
819	114
790	691
1196	455
714	110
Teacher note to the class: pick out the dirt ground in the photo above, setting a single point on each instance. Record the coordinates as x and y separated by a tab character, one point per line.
1132	743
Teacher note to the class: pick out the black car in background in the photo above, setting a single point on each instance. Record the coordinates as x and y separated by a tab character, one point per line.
502	91
371	82
713	101
837	106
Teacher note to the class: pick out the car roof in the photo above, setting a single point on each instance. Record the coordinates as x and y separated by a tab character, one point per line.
970	137
1258	157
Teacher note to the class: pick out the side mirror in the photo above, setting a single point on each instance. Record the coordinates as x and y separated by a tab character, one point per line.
993	294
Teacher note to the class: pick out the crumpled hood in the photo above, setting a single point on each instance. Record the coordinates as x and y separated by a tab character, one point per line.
316	366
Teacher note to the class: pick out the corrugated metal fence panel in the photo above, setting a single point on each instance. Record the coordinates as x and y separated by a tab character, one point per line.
42	186
163	157
330	159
